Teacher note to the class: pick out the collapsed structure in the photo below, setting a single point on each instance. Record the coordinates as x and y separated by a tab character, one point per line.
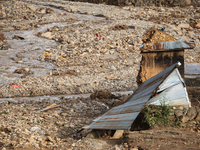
159	51
165	88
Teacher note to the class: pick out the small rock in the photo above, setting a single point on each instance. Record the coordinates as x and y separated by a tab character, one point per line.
19	62
178	113
47	35
17	37
46	54
118	134
184	119
60	123
184	26
23	28
197	25
135	148
198	117
191	114
49	139
24	71
117	147
31	7
41	11
93	135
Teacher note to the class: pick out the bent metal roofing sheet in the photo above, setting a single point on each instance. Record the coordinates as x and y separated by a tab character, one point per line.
122	116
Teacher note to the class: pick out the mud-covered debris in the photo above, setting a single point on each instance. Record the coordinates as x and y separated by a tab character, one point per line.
24	71
44	10
102	95
154	35
120	27
54	105
17	37
4	45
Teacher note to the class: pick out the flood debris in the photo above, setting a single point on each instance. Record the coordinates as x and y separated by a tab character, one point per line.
15	86
17	37
3	43
103	94
154	35
120	27
165	45
159	51
26	71
54	105
167	88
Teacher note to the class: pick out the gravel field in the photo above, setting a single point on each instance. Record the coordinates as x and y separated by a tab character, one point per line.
53	47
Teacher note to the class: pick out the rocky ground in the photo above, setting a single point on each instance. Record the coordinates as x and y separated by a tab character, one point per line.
107	44
56	123
50	47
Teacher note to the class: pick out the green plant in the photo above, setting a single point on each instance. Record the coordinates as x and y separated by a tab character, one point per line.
3	112
157	115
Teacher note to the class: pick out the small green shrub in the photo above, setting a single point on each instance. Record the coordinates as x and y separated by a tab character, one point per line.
157	115
3	112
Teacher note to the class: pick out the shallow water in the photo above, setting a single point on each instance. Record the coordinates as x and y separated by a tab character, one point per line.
31	46
56	97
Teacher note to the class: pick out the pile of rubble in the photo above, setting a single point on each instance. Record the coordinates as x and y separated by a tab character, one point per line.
100	54
51	123
154	36
55	123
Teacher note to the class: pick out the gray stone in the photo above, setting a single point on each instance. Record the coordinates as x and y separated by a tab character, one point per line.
198	116
184	119
191	114
184	26
31	7
118	134
92	135
178	113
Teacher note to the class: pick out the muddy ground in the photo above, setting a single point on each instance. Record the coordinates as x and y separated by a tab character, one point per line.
60	47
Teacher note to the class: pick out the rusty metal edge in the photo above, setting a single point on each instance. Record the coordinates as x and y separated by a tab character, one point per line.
168	46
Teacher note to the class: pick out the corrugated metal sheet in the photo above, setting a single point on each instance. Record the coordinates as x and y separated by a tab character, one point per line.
122	117
169	89
171	45
172	85
173	79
